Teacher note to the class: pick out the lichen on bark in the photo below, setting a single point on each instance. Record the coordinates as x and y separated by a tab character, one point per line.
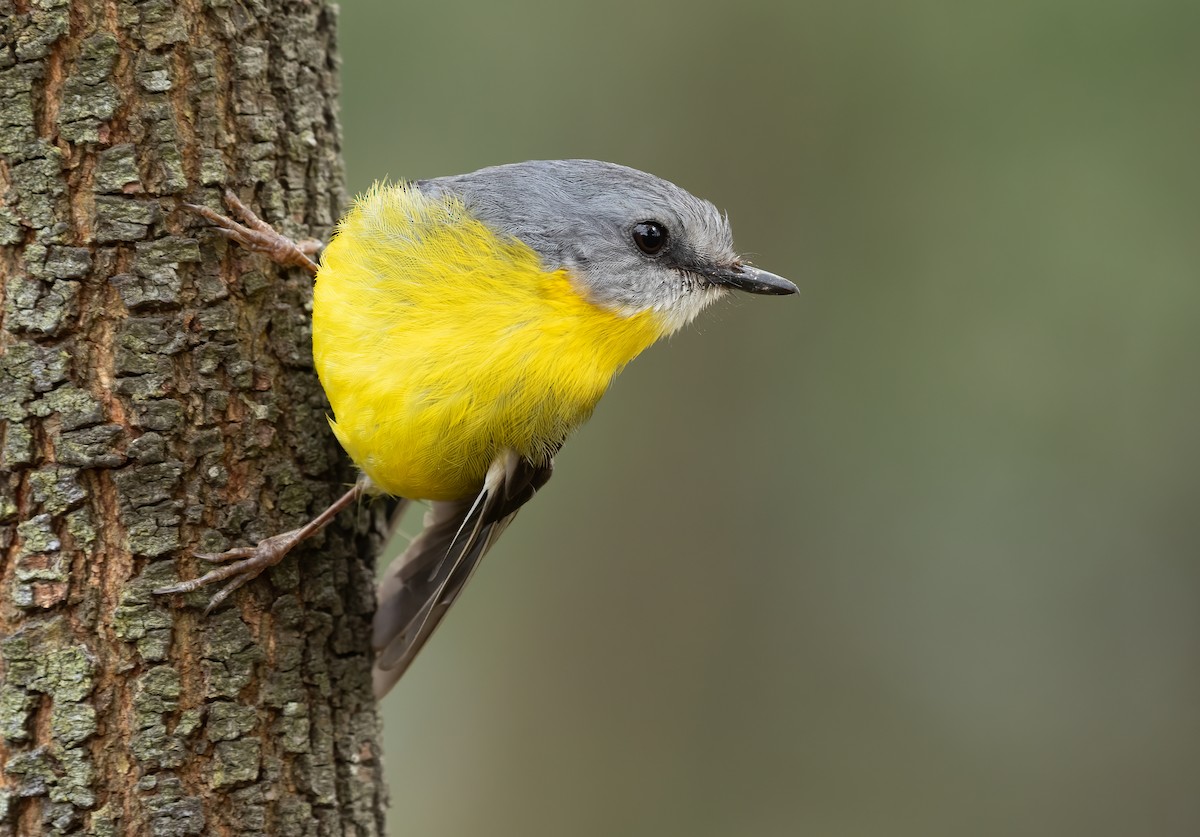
157	398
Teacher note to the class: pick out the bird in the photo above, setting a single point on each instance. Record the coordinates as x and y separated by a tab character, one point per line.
462	328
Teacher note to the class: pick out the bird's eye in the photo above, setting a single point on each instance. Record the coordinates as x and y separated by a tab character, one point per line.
650	237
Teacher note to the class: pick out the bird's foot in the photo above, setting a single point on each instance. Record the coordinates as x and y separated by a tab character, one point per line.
241	565
255	234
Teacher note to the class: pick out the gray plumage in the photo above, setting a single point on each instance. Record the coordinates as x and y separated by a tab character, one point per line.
579	214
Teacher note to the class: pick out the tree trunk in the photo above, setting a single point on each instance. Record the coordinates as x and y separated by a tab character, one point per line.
157	397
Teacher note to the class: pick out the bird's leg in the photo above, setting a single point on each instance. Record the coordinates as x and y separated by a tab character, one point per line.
255	234
245	562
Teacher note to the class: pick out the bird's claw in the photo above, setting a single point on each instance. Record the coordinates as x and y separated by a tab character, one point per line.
255	234
241	564
228	555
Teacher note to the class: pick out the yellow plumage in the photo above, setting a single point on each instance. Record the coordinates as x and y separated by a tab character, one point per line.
439	344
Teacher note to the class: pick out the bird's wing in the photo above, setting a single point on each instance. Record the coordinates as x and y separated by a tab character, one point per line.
424	581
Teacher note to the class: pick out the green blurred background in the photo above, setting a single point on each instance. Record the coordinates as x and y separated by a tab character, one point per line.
913	553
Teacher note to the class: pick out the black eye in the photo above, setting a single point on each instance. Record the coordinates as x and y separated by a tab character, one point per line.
650	237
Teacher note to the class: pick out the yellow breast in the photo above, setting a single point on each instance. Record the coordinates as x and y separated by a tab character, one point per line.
438	344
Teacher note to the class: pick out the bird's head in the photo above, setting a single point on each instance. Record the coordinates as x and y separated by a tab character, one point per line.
631	241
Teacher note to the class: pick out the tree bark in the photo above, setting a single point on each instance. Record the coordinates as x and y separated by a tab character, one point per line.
157	397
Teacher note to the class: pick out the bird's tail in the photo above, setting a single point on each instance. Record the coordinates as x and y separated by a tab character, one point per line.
424	581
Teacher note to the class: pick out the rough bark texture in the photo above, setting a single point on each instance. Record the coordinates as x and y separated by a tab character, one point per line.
157	396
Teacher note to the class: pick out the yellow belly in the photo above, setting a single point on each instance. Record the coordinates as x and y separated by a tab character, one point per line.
439	344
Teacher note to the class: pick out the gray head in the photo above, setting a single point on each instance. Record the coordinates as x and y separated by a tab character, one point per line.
633	241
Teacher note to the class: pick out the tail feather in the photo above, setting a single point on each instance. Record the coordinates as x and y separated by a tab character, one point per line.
424	581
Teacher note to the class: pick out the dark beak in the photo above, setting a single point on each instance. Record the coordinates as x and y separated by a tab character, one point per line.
743	277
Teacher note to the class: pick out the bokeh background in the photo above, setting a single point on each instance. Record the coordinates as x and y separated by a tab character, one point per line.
913	553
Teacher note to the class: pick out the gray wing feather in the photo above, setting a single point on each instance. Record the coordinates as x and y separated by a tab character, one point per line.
424	581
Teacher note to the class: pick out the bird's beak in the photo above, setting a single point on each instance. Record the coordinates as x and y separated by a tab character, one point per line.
743	277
